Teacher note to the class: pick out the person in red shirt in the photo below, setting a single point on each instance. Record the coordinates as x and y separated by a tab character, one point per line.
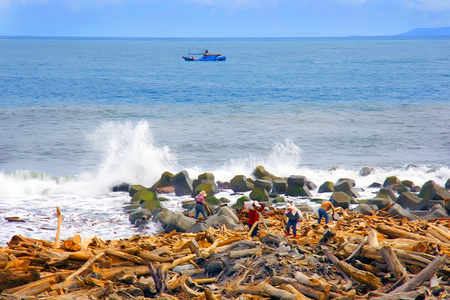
253	216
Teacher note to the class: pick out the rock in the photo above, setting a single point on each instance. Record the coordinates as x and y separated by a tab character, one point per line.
224	200
165	190
279	200
346	186
427	188
213	200
122	187
364	209
182	183
240	202
386	193
351	181
240	183
259	194
223	185
131	207
273	240
305	208
179	222
221	220
297	186
410	201
214	267
135	188
375	185
447	184
436	212
341	199
227	211
280	185
164	216
206	183
390	181
264	184
138	214
380	202
408	183
164	181
180	268
311	186
260	173
399	212
365	171
400	188
149	199
326	187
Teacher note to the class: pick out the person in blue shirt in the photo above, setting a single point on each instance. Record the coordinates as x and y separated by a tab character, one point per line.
294	215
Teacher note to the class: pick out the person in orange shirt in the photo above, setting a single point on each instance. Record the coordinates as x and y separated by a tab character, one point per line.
326	206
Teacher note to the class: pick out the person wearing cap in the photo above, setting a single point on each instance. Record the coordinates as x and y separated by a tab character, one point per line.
326	206
253	216
200	204
294	215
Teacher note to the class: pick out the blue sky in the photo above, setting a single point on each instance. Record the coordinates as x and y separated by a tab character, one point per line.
219	18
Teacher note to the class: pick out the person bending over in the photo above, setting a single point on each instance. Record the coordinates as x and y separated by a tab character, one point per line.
253	216
326	206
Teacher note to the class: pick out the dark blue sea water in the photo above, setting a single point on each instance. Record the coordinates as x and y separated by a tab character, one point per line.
78	115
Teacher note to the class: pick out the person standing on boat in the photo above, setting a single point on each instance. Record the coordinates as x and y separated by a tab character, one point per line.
294	215
200	203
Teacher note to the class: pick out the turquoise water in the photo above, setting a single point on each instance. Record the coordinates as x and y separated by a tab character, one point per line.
77	116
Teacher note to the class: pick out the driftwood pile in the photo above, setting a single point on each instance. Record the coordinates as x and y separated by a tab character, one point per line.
358	257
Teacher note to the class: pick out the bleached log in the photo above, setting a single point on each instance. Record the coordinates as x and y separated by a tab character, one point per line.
348	281
373	239
195	249
356	252
309	291
312	282
252	228
126	256
88	264
58	229
86	242
236	244
362	276
177	262
393	263
152	257
398	233
423	275
279	293
209	295
242	253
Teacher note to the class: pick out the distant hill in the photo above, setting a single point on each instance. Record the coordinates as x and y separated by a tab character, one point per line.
427	32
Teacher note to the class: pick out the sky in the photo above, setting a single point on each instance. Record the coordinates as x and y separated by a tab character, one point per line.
219	18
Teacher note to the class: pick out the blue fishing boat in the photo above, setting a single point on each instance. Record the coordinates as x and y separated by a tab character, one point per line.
205	56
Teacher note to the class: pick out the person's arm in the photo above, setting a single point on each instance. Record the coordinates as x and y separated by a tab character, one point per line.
332	207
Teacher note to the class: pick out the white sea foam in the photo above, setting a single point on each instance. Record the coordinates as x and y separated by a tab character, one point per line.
129	154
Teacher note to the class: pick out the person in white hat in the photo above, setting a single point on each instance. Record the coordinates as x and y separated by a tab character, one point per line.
253	216
294	215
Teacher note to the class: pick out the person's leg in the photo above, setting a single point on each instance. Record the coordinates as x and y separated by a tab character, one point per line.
202	210
326	218
320	211
255	231
196	211
294	227
288	226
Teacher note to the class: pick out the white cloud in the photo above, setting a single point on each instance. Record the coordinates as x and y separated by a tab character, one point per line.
237	4
430	5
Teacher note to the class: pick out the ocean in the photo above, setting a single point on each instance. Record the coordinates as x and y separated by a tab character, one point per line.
78	116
